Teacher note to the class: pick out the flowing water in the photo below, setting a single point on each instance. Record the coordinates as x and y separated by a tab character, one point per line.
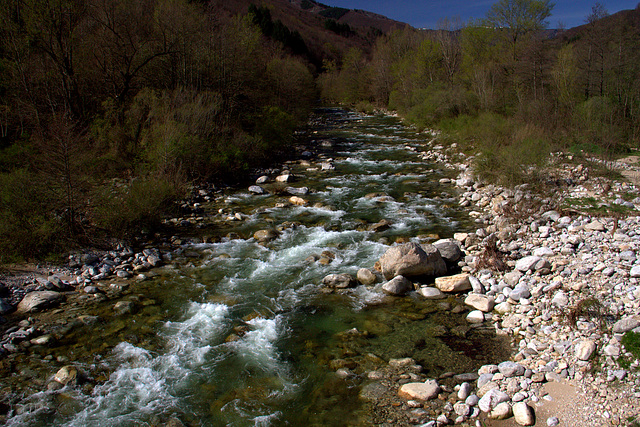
237	333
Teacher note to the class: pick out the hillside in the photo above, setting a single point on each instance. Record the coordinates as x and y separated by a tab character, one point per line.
315	21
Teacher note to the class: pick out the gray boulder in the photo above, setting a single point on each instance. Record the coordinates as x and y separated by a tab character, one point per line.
399	285
449	250
366	277
339	281
410	260
39	300
256	189
297	191
626	324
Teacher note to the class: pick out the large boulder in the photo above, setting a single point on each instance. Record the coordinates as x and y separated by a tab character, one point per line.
39	300
449	250
410	260
399	285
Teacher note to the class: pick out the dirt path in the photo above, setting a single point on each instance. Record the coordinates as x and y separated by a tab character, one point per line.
633	171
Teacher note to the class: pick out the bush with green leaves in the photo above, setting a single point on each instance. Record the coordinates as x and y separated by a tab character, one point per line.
123	208
29	228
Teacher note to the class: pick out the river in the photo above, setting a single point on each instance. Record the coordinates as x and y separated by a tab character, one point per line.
238	333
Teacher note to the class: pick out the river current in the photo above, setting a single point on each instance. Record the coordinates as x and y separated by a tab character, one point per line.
238	333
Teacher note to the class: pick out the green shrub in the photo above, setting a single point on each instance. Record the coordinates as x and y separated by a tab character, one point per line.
122	208
29	228
365	107
428	107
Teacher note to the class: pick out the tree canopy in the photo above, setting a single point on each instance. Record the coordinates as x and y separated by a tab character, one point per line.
520	17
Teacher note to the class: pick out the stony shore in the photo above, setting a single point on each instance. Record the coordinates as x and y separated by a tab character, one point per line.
562	284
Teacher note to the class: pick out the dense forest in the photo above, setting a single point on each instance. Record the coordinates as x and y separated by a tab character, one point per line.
110	109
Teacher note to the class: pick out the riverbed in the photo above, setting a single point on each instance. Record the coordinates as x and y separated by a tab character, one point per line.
241	332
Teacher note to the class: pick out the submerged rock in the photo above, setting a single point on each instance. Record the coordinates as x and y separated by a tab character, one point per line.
265	236
429	292
339	281
66	374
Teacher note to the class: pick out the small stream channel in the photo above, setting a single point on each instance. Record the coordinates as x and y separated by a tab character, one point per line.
238	333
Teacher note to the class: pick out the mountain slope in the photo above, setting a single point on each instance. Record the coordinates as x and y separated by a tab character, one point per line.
328	32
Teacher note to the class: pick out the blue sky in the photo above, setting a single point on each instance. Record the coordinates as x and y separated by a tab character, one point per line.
427	13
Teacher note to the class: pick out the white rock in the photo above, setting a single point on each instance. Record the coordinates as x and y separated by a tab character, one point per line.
560	300
543	252
527	263
635	271
420	391
511	369
491	399
524	414
465	391
475	316
429	292
480	302
502	411
504	308
611	350
594	226
626	324
584	349
553	421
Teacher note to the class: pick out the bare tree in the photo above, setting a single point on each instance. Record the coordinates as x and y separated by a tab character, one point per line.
447	36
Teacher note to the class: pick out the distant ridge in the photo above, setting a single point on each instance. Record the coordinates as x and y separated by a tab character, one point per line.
310	19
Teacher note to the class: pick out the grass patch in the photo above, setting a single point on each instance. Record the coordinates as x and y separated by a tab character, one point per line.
631	343
591	206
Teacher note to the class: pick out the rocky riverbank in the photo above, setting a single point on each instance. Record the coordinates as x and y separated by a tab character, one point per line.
560	283
563	285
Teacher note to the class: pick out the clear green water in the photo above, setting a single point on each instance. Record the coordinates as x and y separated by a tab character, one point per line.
244	334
